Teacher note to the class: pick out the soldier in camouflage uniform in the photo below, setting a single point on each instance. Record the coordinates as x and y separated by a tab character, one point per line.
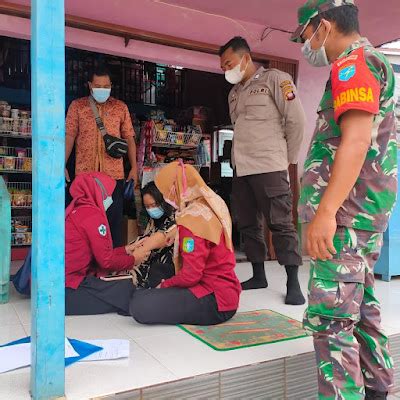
348	192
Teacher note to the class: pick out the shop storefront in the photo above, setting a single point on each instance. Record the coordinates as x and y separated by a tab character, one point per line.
177	113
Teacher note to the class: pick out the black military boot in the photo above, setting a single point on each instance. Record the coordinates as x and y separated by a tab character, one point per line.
294	295
374	395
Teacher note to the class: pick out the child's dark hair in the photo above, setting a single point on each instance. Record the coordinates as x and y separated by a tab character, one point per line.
152	190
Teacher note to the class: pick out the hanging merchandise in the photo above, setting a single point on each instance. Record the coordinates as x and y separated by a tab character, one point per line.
203	155
146	144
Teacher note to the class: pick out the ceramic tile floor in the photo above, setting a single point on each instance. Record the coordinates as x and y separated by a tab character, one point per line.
161	354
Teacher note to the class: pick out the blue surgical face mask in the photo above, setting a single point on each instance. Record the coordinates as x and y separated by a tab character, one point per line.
155	212
318	57
101	95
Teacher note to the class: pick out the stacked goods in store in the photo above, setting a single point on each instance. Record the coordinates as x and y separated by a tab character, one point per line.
16	169
20	230
14	121
169	132
174	155
15	158
20	198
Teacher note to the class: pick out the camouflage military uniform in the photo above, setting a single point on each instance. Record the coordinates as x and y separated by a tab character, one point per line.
343	313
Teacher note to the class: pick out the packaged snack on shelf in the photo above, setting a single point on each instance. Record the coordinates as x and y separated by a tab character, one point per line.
28	238
27	164
21	152
9	163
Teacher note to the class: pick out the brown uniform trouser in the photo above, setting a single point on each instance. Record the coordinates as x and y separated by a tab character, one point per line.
266	196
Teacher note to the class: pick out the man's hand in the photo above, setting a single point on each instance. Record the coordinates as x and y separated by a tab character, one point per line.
356	127
133	176
141	255
67	177
320	235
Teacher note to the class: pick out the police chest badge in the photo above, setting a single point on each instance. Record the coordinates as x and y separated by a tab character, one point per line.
287	88
188	245
102	230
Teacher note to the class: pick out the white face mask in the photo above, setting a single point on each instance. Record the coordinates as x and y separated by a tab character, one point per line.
107	202
318	57
235	75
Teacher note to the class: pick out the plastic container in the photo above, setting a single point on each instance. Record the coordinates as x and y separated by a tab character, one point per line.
9	163
5	242
14	113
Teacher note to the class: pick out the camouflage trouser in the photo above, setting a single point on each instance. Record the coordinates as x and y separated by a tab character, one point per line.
343	315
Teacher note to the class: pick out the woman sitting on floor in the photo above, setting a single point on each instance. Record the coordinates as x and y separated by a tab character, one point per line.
158	238
89	253
205	289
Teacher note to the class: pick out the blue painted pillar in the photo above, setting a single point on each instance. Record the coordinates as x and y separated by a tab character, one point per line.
5	242
48	148
388	264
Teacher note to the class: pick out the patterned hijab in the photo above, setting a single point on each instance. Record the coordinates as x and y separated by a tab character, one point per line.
199	209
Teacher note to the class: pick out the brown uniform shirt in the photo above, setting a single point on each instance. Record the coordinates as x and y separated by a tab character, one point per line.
269	123
91	154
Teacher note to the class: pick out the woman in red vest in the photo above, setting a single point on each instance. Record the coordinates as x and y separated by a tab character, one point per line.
205	289
89	253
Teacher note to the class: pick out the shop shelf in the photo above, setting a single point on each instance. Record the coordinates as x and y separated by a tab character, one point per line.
16	136
163	138
21	228
21	239
15	127
21	194
15	160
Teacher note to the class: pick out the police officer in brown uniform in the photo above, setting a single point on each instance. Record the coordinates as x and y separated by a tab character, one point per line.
269	124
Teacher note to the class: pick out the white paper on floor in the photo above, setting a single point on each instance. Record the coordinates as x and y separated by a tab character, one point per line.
19	355
113	349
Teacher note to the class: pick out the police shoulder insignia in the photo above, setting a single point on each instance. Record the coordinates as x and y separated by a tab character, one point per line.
287	88
102	230
348	72
188	245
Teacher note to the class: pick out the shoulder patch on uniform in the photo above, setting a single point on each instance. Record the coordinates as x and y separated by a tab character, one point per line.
347	72
102	230
287	88
188	245
352	57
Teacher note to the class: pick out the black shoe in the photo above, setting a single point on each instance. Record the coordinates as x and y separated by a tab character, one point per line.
374	395
294	296
259	280
254	283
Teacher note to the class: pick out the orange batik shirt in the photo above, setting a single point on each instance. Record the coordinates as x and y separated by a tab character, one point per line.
90	150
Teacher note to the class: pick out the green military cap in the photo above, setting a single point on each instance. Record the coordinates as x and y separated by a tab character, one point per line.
310	10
